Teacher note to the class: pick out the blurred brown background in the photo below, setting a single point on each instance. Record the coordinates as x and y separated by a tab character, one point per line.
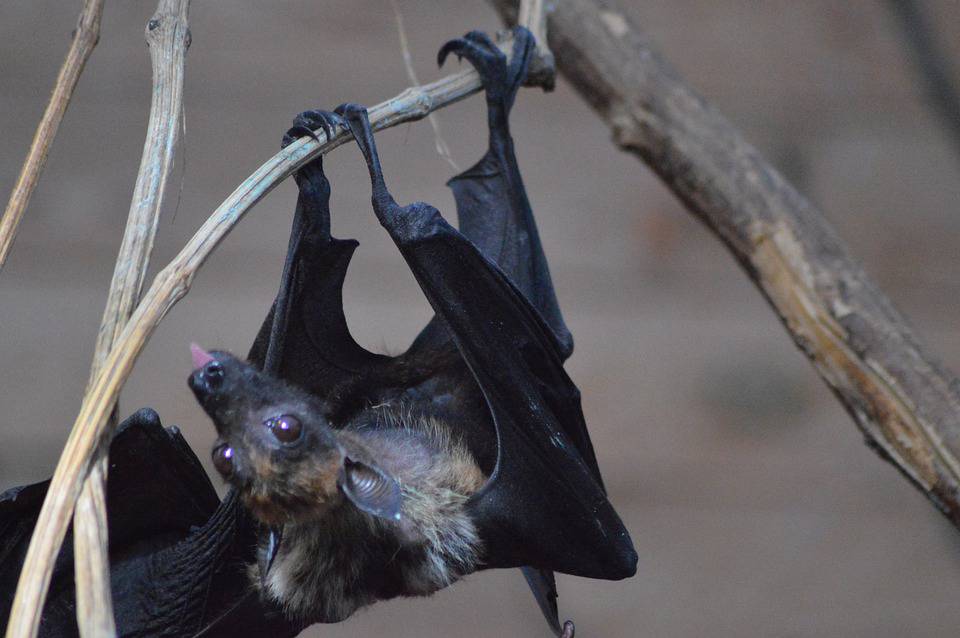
753	503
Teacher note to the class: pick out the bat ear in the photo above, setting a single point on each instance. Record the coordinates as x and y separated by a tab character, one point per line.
370	489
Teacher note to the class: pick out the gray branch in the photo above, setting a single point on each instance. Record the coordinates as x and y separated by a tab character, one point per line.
904	401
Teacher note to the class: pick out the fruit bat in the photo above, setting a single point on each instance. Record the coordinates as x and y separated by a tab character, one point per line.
357	476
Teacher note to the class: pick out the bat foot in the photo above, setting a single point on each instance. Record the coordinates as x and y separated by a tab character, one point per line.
568	630
310	178
304	125
500	79
356	119
351	112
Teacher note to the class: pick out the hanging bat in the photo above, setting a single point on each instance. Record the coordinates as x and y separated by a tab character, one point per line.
467	452
383	476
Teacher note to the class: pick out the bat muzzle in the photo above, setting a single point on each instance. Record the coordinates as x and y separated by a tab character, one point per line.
214	384
206	381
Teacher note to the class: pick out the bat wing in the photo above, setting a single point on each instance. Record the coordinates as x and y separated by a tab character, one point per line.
493	210
157	490
544	505
176	551
305	339
494	213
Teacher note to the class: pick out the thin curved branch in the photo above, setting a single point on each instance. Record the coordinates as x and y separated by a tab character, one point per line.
168	38
904	401
92	426
85	39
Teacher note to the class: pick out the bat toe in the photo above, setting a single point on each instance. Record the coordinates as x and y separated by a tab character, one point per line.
306	123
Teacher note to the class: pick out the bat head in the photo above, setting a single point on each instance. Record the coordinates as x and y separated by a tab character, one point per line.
275	444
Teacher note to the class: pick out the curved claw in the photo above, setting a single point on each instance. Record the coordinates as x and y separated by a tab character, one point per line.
445	50
500	79
477	47
357	121
350	109
296	132
304	125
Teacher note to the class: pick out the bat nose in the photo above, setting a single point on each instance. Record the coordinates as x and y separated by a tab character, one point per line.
206	380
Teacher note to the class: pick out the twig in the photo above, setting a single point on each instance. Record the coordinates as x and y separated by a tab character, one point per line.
443	150
168	38
904	401
170	285
85	38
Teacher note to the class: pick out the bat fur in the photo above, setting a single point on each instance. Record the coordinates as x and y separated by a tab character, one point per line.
332	555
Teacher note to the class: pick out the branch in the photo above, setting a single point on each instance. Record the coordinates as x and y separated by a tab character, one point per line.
92	426
904	401
85	38
168	38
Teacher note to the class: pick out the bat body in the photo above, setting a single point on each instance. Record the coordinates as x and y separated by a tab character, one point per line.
356	476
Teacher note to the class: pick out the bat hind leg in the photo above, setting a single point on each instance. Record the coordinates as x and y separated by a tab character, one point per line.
404	223
492	205
501	78
313	184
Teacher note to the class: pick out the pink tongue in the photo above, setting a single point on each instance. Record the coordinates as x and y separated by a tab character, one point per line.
200	356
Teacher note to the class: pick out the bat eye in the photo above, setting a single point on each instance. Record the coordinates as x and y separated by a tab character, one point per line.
213	372
286	428
223	459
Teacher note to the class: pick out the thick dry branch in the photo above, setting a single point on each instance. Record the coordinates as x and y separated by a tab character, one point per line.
91	427
168	38
904	401
85	38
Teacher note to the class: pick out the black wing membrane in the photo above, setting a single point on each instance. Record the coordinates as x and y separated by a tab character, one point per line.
544	506
176	551
304	338
493	209
493	212
492	206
